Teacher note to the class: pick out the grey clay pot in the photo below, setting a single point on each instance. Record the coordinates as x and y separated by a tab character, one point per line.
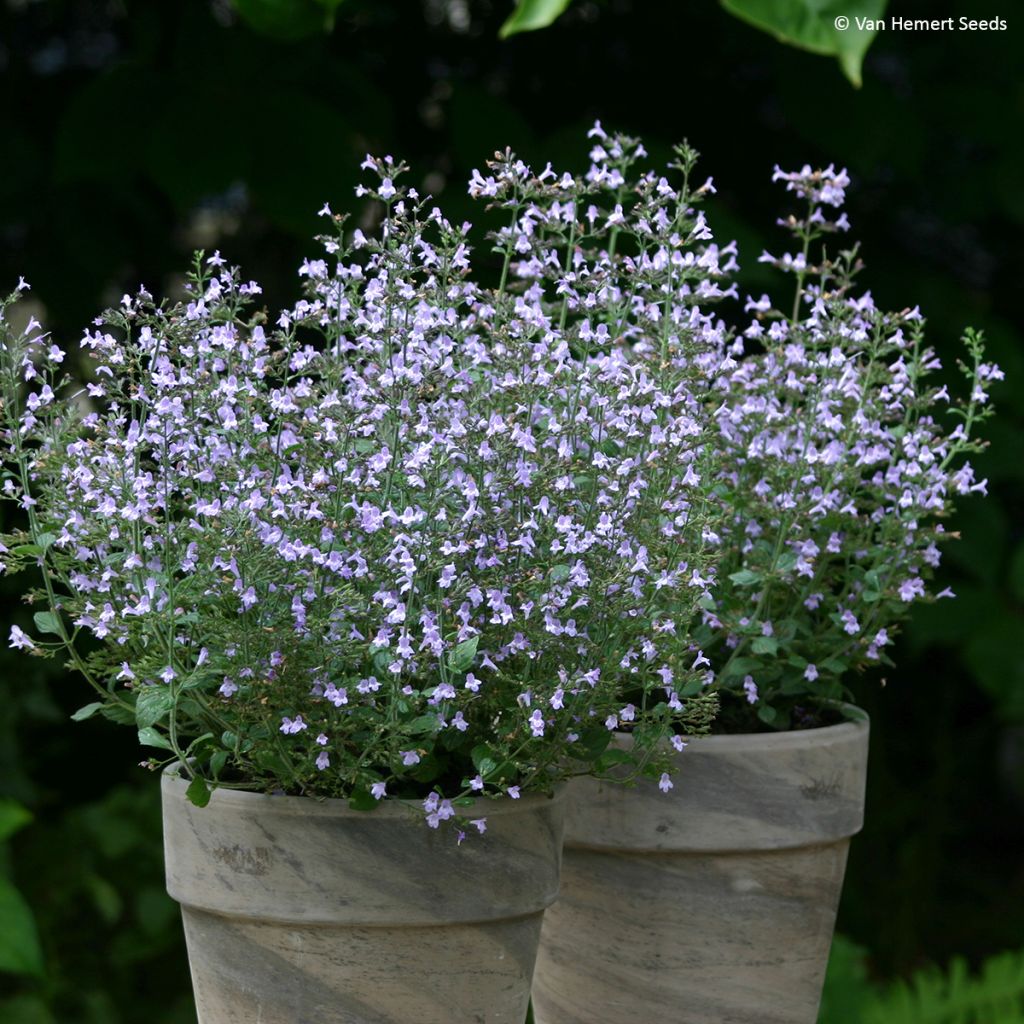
299	911
714	903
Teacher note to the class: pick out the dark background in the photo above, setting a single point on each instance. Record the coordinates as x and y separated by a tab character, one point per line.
132	132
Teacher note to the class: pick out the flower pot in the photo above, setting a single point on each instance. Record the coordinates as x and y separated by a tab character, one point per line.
305	912
713	903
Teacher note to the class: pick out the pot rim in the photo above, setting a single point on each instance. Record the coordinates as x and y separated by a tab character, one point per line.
337	807
858	721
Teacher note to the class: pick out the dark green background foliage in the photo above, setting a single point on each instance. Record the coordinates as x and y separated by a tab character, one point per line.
131	132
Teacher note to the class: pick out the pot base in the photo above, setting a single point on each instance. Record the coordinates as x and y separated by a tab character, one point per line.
707	939
249	972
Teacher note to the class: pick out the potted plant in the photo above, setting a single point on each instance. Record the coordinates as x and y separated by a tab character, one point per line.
361	565
838	461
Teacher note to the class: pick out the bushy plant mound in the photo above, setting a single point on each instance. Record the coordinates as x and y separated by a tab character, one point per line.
431	535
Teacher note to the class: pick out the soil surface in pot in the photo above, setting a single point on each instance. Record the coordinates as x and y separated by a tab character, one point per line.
737	715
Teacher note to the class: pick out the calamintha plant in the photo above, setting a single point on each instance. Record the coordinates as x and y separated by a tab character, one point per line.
420	536
840	463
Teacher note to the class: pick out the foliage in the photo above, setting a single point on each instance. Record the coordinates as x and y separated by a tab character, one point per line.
803	23
19	940
814	26
994	995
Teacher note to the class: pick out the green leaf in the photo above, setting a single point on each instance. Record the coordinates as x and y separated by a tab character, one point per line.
362	800
153	703
46	540
464	801
764	645
423	725
217	762
767	714
460	659
118	713
149	737
530	15
47	622
485	760
815	25
559	573
836	665
198	792
745	578
12	817
20	952
610	758
737	669
87	712
282	19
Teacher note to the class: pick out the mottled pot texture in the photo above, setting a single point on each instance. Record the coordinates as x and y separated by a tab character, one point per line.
714	903
305	912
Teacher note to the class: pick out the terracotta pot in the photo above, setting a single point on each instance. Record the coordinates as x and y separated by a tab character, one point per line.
714	903
305	912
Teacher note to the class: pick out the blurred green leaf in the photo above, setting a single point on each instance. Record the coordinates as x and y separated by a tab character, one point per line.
20	952
532	14
12	817
287	19
87	712
25	1009
814	25
460	659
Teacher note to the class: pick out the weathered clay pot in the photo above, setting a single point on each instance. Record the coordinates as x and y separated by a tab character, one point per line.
305	912
714	903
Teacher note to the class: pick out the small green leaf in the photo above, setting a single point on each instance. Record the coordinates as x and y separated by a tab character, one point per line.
764	645
610	758
559	573
464	801
87	712
530	15
461	658
47	622
362	800
149	737
484	759
423	725
767	714
745	578
27	549
217	762
20	952
198	792
786	562
152	704
46	540
836	665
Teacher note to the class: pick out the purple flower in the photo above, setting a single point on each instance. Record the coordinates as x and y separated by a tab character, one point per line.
20	640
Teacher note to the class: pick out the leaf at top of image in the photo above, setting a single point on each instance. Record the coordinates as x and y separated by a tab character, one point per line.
532	14
814	25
